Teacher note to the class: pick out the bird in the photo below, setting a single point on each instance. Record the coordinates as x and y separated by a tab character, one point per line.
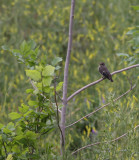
104	71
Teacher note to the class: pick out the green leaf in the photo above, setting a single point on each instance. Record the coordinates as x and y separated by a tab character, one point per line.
6	130
122	54
31	135
47	81
39	68
32	44
14	115
10	157
36	91
1	125
39	86
48	70
46	89
57	67
23	45
29	90
16	148
59	86
56	60
24	108
10	126
33	74
132	62
33	103
130	59
135	7
28	113
19	137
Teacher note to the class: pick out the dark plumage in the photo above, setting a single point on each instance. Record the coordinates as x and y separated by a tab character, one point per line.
104	71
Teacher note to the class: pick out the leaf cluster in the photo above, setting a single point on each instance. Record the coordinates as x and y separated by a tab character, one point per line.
21	137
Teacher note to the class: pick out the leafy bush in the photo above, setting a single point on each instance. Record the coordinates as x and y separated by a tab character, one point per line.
22	139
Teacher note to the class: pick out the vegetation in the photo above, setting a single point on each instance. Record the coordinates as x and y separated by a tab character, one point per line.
32	75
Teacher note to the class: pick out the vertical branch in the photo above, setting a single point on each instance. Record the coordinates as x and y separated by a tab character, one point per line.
65	85
57	114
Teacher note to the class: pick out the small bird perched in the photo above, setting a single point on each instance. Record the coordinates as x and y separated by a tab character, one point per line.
104	71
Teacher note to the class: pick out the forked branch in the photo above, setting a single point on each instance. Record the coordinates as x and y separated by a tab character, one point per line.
65	84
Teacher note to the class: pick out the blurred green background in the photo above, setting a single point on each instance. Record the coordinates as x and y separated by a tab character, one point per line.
99	33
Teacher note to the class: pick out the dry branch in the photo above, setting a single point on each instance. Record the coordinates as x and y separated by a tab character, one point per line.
101	79
116	139
88	115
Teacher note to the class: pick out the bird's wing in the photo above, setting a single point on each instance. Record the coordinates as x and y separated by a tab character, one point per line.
100	70
106	73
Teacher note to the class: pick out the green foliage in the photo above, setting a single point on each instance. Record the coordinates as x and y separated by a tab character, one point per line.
133	44
27	53
20	140
99	33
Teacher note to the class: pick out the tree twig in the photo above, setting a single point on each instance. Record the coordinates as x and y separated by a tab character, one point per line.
65	84
58	113
116	139
88	115
101	79
59	97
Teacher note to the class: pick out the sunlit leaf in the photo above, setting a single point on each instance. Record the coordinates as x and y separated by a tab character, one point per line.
56	60
24	108
29	90
59	86
33	103
47	81
14	115
33	74
10	157
48	70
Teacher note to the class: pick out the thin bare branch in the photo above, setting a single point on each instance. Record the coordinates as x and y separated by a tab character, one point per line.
65	84
116	139
59	97
88	115
101	79
58	113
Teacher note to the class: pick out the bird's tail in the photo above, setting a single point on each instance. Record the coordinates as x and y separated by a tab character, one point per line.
110	78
